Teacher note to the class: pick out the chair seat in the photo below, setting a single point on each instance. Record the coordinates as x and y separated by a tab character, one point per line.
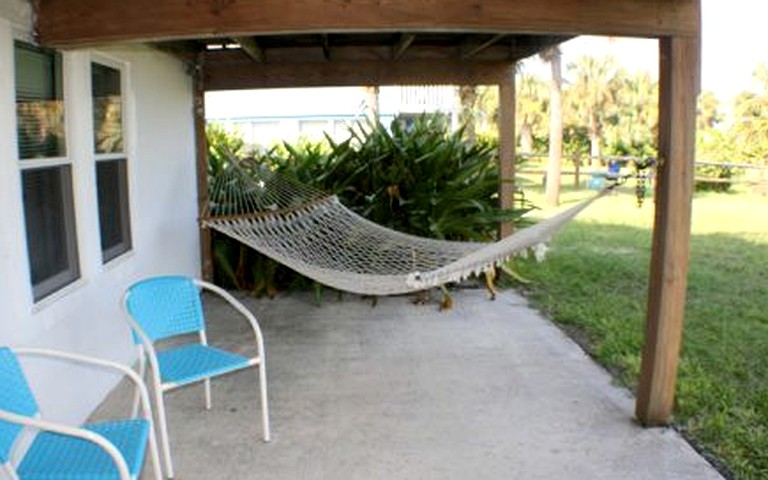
59	457
193	362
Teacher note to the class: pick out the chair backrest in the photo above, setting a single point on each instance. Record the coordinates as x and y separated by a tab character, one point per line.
165	307
15	397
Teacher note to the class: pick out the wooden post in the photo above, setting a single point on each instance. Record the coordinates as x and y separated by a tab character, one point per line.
678	88
201	147
507	145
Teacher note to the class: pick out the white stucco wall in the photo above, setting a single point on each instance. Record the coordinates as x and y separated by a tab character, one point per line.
86	316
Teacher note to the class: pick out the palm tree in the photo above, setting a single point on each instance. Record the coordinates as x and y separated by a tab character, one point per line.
631	122
531	110
592	94
554	165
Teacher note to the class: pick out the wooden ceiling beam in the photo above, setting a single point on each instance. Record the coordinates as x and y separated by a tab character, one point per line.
247	75
405	41
186	51
74	23
251	47
468	51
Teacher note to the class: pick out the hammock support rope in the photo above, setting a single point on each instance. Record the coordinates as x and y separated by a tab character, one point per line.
316	235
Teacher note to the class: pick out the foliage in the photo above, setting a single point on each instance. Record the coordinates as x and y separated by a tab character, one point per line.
713	178
416	178
723	382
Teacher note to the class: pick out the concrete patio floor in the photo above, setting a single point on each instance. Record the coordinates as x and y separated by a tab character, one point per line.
488	390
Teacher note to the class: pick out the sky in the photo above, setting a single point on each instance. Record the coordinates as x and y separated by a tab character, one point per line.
734	42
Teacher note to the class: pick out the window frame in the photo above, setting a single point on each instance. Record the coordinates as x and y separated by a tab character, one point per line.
126	245
44	289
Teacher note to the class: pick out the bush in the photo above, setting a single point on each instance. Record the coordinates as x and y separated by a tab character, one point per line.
713	178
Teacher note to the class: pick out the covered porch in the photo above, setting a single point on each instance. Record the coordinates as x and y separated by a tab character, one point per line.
486	390
236	45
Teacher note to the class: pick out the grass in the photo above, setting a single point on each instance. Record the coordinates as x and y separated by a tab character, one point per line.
594	283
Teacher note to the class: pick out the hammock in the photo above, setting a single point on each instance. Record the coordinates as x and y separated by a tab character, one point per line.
316	235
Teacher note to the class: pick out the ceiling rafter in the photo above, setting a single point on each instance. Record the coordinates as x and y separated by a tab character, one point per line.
326	42
469	51
252	48
405	41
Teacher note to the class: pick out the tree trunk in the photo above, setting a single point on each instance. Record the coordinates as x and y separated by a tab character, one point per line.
554	166
372	104
468	99
595	149
526	138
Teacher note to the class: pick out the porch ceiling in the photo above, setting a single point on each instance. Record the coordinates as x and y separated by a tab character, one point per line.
267	61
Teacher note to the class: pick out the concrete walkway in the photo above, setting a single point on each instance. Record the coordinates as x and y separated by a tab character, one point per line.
489	390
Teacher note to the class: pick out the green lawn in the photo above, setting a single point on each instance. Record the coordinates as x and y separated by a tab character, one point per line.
594	283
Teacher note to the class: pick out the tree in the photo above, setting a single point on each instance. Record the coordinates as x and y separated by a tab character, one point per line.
468	96
531	111
750	128
554	165
708	115
592	95
631	121
372	103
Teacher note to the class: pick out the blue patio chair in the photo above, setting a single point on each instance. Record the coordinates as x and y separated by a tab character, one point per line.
166	307
112	450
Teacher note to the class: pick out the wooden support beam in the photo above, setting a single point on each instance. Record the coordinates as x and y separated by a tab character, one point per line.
678	88
507	136
405	41
252	48
470	51
326	46
74	23
247	75
201	154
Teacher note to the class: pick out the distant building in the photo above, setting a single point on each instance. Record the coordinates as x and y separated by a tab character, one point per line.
264	117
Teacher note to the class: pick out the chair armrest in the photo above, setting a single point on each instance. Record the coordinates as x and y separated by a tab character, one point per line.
80	433
86	360
237	305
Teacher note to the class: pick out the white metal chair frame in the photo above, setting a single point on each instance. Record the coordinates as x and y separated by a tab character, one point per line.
99	440
146	351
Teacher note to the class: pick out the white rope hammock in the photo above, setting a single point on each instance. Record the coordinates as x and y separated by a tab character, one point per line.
314	234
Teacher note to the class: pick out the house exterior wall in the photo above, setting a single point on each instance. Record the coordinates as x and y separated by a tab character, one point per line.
86	316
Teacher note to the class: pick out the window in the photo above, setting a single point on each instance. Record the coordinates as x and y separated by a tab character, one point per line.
111	161
46	172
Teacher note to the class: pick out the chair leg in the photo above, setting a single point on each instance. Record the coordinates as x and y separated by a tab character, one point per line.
264	402
154	454
136	393
207	393
161	421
